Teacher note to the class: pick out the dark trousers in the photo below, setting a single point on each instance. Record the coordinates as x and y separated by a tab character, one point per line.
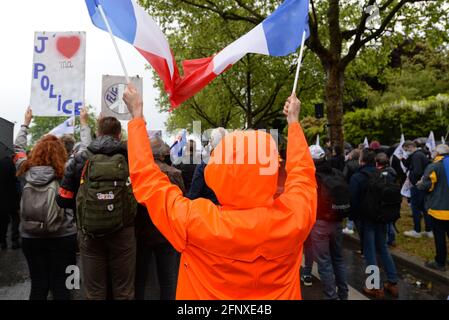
327	238
440	231
417	203
167	266
47	262
111	257
5	219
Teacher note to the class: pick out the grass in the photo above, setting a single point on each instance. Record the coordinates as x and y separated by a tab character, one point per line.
423	248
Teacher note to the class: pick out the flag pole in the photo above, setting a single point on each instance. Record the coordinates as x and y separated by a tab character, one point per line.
113	41
298	67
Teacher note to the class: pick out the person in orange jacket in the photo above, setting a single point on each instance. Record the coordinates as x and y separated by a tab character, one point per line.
249	247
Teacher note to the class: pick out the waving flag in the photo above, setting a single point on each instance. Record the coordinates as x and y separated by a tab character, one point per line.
132	24
278	35
67	127
430	143
399	153
366	143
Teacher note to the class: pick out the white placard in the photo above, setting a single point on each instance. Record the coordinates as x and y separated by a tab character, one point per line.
113	87
58	75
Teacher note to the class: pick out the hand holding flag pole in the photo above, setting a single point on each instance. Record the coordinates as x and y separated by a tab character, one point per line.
100	8
295	85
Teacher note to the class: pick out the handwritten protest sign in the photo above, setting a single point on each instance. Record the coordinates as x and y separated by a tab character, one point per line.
58	75
112	104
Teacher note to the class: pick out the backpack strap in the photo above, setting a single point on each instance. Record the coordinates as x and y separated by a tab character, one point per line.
86	165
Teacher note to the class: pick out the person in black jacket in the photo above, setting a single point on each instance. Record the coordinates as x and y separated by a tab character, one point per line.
112	256
383	164
416	163
373	234
351	167
326	236
9	203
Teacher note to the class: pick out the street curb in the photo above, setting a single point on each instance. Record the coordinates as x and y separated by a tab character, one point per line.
412	262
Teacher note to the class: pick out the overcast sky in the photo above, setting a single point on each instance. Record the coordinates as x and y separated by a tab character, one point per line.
18	22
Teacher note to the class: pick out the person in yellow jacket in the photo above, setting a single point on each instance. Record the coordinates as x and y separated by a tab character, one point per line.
249	247
436	182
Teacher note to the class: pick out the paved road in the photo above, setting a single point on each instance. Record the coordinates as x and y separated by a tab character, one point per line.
15	284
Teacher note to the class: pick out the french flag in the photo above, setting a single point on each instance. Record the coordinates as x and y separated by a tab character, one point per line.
280	34
131	23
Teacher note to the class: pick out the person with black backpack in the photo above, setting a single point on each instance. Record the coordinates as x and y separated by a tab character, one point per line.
383	164
97	183
326	236
416	163
377	200
48	232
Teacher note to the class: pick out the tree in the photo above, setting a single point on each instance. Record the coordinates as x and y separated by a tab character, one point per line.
339	31
251	93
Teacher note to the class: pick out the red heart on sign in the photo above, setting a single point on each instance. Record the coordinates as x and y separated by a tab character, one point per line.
68	46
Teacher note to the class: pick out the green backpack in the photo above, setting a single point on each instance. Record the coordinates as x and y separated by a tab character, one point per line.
105	202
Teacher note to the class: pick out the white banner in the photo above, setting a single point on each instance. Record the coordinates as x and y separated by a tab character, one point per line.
67	127
113	87
58	77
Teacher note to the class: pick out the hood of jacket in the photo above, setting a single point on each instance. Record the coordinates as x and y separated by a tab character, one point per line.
243	170
107	145
40	175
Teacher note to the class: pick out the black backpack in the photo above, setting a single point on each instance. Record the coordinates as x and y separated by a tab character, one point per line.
383	199
333	196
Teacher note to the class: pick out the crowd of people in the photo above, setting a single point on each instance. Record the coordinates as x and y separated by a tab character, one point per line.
215	228
378	183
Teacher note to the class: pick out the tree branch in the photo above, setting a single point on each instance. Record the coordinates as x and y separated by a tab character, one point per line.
359	42
226	15
252	11
201	113
333	18
314	42
241	105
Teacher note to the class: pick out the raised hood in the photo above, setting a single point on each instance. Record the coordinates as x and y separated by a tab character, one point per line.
243	170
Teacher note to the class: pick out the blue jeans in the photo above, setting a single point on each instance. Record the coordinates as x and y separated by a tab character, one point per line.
417	204
391	234
327	248
308	257
374	239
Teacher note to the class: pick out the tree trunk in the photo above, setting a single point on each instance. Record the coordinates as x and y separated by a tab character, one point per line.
334	103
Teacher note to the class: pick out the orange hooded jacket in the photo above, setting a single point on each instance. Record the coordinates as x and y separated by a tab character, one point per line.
250	247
